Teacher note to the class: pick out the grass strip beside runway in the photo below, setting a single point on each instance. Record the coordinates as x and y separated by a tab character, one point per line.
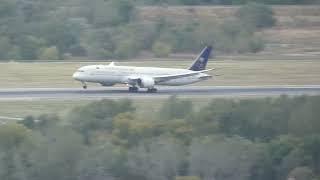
262	72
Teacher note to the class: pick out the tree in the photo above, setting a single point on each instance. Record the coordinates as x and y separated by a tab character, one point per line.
153	160
97	116
174	108
29	122
57	155
128	130
99	43
50	53
105	161
256	15
29	47
5	47
109	13
304	116
311	148
222	158
161	49
126	48
60	33
15	145
7	8
13	135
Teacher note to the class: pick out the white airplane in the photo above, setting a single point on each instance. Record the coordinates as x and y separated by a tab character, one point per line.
145	77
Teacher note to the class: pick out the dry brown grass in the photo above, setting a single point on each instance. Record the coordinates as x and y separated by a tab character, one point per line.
233	72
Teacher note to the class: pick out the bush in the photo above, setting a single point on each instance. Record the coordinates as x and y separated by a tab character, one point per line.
111	13
256	44
29	47
256	15
235	37
175	108
161	49
5	46
51	53
126	49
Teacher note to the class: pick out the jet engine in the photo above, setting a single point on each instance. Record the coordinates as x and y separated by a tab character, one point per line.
107	84
146	82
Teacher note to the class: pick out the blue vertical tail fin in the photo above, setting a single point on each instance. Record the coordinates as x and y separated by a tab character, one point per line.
201	61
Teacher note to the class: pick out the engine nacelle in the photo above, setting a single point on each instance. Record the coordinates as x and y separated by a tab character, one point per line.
107	84
146	82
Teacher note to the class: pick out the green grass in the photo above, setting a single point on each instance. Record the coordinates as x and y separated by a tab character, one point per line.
232	72
61	107
25	108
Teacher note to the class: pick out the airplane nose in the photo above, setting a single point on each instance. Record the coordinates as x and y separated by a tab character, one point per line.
75	76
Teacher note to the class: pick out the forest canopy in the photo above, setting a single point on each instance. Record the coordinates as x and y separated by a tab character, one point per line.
104	29
261	139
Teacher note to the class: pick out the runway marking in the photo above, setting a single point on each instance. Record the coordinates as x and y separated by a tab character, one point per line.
10	118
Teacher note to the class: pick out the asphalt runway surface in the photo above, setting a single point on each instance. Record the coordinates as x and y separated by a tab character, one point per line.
122	92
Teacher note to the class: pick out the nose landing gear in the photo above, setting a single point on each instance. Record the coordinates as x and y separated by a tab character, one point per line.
84	85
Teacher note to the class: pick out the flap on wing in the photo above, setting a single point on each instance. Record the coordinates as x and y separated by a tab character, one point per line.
157	79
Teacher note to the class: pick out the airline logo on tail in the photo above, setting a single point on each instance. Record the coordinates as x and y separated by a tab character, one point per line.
201	61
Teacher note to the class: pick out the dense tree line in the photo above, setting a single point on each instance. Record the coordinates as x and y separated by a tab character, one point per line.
226	2
102	29
260	139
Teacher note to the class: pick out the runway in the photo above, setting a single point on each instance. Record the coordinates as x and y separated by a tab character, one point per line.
122	92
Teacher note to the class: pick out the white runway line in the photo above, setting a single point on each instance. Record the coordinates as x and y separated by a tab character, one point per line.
11	118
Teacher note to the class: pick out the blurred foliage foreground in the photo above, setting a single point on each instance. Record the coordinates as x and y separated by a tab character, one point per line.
254	139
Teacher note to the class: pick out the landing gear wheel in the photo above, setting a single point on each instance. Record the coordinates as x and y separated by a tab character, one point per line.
152	90
84	85
133	89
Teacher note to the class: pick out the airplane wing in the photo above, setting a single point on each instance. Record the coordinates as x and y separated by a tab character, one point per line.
158	79
163	78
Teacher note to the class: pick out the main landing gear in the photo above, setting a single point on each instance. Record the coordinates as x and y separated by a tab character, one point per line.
152	90
133	89
136	89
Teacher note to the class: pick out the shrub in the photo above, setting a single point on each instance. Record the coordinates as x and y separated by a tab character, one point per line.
126	49
161	49
256	44
235	37
256	15
5	46
50	53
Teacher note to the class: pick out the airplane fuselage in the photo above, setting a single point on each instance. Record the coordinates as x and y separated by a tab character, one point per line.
145	77
109	75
